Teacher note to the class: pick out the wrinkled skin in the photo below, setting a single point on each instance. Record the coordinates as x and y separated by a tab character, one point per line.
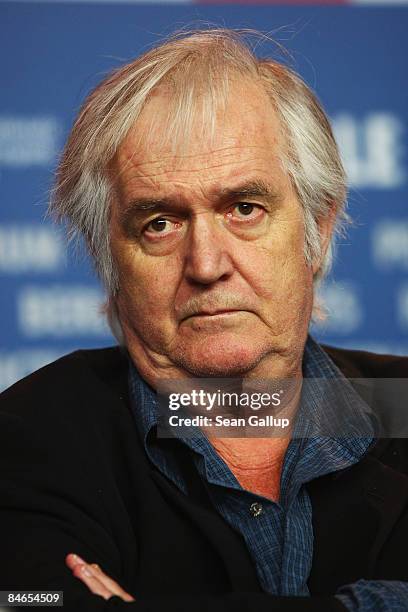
212	283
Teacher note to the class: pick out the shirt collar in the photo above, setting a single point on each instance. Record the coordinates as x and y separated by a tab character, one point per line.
322	414
334	424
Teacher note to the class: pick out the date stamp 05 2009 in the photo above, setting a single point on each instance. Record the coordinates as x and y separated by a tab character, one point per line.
31	598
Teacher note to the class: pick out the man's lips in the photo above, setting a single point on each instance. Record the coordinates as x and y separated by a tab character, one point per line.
213	306
213	313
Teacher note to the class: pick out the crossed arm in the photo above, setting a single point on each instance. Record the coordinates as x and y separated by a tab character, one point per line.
384	595
42	519
49	507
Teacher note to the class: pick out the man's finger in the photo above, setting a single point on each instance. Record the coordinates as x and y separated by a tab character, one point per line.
110	584
72	560
93	583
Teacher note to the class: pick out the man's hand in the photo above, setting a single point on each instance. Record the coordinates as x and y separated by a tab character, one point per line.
94	578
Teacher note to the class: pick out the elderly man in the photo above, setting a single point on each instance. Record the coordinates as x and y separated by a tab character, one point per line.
208	185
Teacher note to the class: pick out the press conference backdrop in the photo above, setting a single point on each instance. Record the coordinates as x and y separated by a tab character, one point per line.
53	53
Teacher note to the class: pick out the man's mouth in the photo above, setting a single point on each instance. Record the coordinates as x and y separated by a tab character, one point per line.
208	315
215	313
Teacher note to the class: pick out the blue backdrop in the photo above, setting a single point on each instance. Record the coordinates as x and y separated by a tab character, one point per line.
53	54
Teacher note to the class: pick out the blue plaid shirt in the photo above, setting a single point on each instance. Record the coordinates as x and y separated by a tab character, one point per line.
279	535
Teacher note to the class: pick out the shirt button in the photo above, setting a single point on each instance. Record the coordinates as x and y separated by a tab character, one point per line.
256	509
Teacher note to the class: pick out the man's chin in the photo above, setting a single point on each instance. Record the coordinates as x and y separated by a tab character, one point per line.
220	360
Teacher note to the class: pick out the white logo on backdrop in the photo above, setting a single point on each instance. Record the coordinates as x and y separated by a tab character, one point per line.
28	141
60	311
372	149
30	248
390	244
343	307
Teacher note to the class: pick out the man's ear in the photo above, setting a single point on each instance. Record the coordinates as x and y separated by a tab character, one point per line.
326	225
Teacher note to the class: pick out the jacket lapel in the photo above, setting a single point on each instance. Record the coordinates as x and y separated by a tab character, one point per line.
229	546
354	512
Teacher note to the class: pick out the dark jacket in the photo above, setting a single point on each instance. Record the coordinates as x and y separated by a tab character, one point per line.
74	477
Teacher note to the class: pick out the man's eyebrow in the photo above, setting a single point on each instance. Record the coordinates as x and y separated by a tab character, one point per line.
255	188
141	205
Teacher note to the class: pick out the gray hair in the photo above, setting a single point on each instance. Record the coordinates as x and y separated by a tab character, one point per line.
196	67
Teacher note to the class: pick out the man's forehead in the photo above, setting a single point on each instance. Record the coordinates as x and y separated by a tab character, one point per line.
162	134
251	170
145	162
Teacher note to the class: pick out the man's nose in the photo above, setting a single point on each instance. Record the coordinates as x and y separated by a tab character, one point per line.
207	257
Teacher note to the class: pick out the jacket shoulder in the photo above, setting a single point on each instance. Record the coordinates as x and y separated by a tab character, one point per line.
363	364
83	372
77	402
392	449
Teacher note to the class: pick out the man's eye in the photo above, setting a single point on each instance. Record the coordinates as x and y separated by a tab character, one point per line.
158	225
244	209
161	226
